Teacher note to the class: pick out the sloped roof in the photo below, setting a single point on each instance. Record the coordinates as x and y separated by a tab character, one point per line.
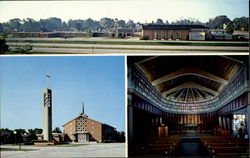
81	115
172	27
125	30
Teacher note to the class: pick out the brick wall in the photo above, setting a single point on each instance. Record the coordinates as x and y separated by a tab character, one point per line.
95	129
166	34
70	129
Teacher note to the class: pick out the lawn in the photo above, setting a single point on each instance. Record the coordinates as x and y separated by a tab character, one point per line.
16	149
160	43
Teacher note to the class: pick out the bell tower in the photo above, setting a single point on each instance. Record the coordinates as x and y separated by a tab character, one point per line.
47	113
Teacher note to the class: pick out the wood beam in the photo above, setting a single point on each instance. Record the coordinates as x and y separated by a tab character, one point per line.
180	94
147	59
233	71
188	85
174	94
142	68
193	94
230	75
145	72
189	71
199	94
233	59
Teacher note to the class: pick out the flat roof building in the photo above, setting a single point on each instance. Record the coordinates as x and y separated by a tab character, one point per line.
174	32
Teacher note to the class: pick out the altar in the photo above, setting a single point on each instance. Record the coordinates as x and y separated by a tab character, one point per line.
190	129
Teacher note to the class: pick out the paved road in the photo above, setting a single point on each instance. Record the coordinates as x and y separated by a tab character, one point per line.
136	39
132	46
92	150
78	39
132	52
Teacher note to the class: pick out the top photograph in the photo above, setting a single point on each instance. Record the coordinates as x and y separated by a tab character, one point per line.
124	27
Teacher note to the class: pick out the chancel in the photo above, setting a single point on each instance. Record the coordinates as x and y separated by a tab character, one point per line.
188	106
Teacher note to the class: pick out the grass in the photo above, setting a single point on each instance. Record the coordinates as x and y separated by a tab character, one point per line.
162	43
36	52
15	149
120	48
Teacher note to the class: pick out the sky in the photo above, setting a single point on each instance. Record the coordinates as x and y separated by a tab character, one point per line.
137	10
97	80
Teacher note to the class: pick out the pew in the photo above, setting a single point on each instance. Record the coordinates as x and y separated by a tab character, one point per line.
229	146
155	147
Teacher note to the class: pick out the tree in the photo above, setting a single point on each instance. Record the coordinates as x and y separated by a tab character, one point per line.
3	46
31	131
229	28
189	21
64	26
38	131
30	25
35	131
159	22
57	130
90	24
76	24
107	22
15	24
218	21
122	23
7	30
51	24
20	130
241	23
130	24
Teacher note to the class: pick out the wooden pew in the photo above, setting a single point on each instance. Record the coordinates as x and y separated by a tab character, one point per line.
155	147
229	146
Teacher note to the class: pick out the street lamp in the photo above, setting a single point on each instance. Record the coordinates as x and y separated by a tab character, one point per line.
15	132
24	139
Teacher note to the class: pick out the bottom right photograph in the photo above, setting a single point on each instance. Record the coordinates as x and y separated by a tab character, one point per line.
188	106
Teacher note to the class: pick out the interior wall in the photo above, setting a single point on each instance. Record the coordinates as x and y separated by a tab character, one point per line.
177	122
143	127
146	119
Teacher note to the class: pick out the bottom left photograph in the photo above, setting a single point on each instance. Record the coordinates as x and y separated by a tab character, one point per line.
62	106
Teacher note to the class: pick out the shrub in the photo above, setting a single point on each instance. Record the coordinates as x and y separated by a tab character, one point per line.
144	38
22	50
3	46
29	143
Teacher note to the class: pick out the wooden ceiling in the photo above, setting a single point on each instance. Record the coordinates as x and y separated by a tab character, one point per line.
189	78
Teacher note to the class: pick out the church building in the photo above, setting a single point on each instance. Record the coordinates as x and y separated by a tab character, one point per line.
83	129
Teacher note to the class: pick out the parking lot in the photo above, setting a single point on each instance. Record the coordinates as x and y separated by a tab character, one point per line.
91	150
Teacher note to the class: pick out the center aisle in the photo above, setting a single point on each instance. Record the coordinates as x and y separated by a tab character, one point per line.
192	146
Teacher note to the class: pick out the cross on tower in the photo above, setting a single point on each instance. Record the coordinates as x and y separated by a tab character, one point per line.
48	77
82	107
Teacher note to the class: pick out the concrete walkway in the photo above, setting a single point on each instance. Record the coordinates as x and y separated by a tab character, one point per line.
91	150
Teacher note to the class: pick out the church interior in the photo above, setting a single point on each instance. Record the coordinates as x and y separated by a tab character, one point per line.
188	106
